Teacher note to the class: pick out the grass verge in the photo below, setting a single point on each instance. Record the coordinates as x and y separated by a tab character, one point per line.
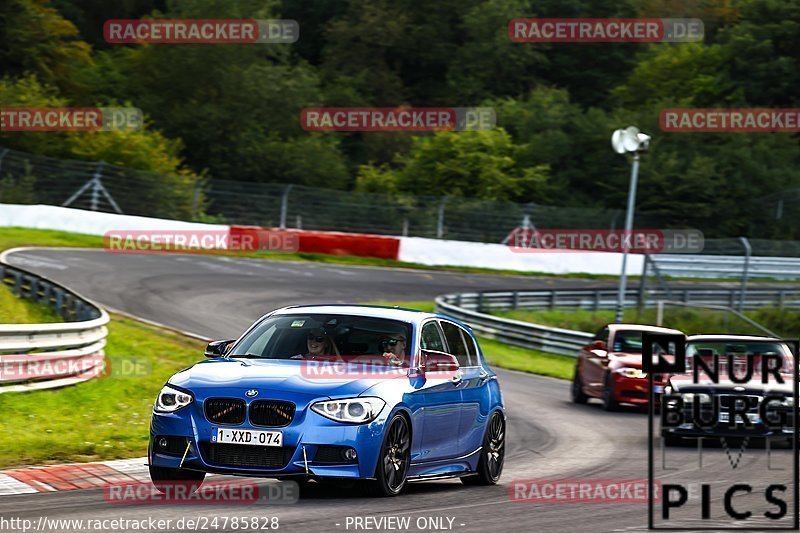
105	418
15	310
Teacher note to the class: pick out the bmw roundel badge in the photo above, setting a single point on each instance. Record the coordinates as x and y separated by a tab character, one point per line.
251	393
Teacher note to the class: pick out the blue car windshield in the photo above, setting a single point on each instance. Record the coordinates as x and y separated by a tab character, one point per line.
328	337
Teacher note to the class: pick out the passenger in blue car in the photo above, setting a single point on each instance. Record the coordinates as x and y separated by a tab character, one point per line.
320	345
394	348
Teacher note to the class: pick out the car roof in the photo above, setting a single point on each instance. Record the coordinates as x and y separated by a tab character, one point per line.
374	311
642	327
720	337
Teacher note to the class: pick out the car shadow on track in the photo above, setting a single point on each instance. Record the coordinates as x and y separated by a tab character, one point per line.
332	491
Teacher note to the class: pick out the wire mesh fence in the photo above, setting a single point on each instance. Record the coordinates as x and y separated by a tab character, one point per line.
29	178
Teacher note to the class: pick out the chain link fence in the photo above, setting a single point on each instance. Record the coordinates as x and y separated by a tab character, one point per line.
28	179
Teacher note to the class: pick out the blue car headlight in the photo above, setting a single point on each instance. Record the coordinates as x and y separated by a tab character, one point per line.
352	410
170	400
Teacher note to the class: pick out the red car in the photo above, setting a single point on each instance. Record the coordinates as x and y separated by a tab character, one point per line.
610	367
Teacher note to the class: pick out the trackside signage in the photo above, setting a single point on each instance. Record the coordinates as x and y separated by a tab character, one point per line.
722	444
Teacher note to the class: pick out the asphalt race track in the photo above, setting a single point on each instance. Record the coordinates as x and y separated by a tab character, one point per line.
548	437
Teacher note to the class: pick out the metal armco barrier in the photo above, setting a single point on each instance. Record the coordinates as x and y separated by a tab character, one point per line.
469	308
42	356
727	266
515	332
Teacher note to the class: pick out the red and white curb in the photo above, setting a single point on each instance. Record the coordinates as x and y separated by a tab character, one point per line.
74	476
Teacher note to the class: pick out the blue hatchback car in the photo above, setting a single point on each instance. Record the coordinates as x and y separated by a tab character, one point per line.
335	392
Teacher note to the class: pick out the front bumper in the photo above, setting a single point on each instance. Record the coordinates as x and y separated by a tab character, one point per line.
634	390
302	440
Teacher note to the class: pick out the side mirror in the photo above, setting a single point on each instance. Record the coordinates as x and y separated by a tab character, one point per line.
599	345
439	362
218	348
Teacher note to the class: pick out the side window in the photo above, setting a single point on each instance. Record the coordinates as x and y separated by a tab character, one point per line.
455	343
430	337
472	349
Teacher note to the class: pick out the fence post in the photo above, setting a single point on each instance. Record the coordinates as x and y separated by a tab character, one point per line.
440	219
480	302
659	312
747	251
195	200
596	306
781	299
553	296
515	300
405	227
285	206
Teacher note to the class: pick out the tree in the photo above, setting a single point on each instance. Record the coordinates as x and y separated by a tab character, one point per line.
472	164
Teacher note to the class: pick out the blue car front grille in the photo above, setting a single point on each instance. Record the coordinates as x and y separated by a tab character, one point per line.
271	413
225	410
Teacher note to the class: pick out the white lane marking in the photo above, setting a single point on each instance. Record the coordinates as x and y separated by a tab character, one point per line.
10	485
42	263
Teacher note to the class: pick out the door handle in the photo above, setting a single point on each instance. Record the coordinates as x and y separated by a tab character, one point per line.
483	376
457	380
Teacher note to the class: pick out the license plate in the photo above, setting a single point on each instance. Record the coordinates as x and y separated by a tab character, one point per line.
723	417
251	437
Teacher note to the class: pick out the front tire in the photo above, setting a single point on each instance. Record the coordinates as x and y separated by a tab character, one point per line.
164	478
490	464
394	459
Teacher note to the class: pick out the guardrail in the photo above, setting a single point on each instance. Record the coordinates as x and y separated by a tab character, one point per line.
515	332
469	308
43	356
727	266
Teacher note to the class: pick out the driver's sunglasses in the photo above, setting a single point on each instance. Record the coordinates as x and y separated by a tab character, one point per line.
393	342
317	338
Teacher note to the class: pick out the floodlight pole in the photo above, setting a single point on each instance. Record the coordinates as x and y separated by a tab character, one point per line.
623	279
